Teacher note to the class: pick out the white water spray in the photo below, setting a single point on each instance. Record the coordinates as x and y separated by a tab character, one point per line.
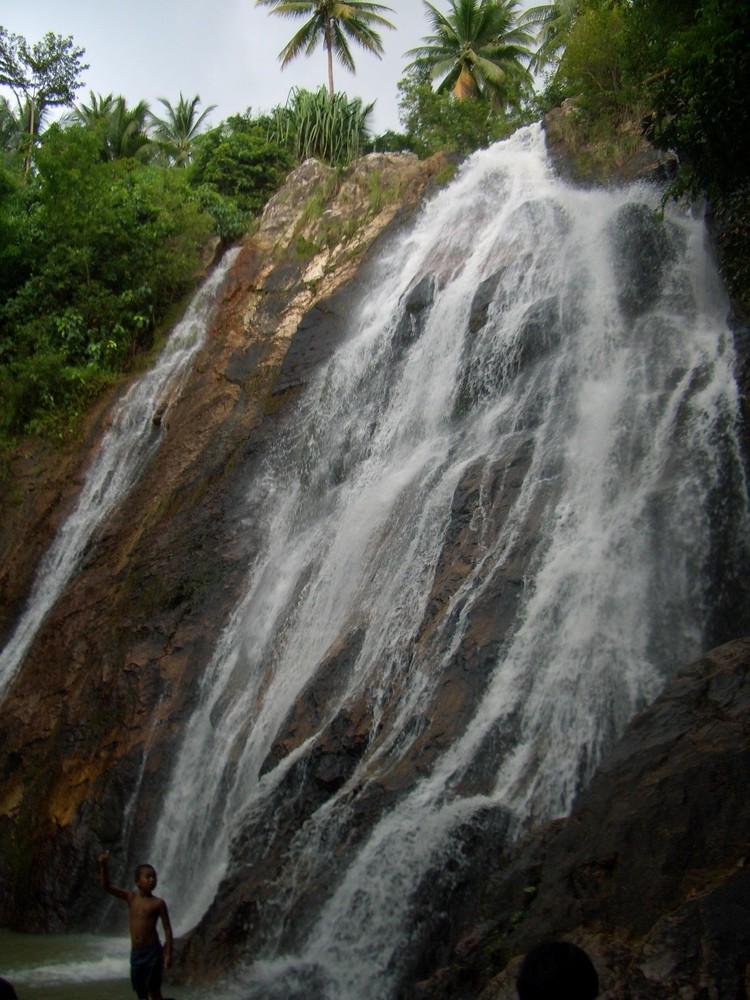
126	449
620	394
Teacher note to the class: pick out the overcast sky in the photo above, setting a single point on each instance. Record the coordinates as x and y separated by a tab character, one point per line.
226	51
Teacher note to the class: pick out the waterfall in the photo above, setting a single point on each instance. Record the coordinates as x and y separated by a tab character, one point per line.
479	547
126	449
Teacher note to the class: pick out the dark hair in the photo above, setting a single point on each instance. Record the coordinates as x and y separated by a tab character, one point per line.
557	970
141	868
6	991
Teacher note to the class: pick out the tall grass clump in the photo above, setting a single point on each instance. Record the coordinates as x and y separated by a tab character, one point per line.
315	124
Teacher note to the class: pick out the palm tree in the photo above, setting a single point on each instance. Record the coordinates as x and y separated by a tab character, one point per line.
478	48
15	137
123	129
178	129
100	109
554	21
333	22
125	135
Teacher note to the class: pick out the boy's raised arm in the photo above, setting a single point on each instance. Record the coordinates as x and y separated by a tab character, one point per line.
113	890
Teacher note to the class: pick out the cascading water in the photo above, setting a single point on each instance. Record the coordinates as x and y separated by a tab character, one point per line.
480	548
126	449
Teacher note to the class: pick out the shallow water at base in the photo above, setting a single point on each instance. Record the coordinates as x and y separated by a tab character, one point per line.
73	967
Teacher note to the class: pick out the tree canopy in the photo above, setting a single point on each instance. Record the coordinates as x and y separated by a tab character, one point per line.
43	75
99	233
478	49
333	23
177	130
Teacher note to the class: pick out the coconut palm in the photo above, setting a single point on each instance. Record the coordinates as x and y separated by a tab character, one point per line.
478	48
99	109
333	23
126	135
15	138
14	125
554	21
176	132
123	129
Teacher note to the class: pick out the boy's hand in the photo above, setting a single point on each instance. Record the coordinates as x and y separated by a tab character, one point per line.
104	857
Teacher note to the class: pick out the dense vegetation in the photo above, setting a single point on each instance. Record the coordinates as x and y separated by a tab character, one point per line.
105	216
678	72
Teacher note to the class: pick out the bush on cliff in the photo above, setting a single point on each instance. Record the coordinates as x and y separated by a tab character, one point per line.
677	71
236	168
98	251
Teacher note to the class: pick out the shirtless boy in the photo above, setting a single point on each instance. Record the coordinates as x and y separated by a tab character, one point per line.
147	958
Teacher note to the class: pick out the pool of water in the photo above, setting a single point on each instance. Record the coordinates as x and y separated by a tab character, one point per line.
72	967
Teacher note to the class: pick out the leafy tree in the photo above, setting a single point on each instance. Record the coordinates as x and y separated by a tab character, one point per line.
236	168
594	65
333	22
16	231
697	61
435	121
41	76
554	22
106	246
478	48
177	131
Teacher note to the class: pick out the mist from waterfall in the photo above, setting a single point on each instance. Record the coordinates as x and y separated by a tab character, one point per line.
125	450
511	342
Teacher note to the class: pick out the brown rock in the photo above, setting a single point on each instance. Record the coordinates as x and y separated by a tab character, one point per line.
649	874
88	730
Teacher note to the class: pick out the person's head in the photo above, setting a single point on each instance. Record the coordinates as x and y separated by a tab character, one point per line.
557	970
145	878
6	990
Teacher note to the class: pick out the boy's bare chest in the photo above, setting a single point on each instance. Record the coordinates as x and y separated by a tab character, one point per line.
145	907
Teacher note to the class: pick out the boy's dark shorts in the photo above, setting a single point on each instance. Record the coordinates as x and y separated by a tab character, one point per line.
146	967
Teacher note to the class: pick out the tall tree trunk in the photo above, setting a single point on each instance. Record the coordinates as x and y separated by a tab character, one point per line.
27	158
329	50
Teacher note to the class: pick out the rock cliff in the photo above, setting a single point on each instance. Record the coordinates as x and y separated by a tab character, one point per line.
89	725
648	874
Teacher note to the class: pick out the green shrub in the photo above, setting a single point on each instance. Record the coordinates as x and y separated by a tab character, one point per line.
242	163
315	124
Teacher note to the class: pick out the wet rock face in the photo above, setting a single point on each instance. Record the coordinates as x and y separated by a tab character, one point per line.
650	873
89	728
651	861
643	250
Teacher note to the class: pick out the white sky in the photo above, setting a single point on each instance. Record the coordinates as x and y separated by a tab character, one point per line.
226	51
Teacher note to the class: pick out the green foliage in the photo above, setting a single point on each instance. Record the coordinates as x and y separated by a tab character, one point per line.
435	121
479	49
242	165
593	64
733	215
333	23
16	231
101	248
389	142
177	131
333	129
41	394
700	75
